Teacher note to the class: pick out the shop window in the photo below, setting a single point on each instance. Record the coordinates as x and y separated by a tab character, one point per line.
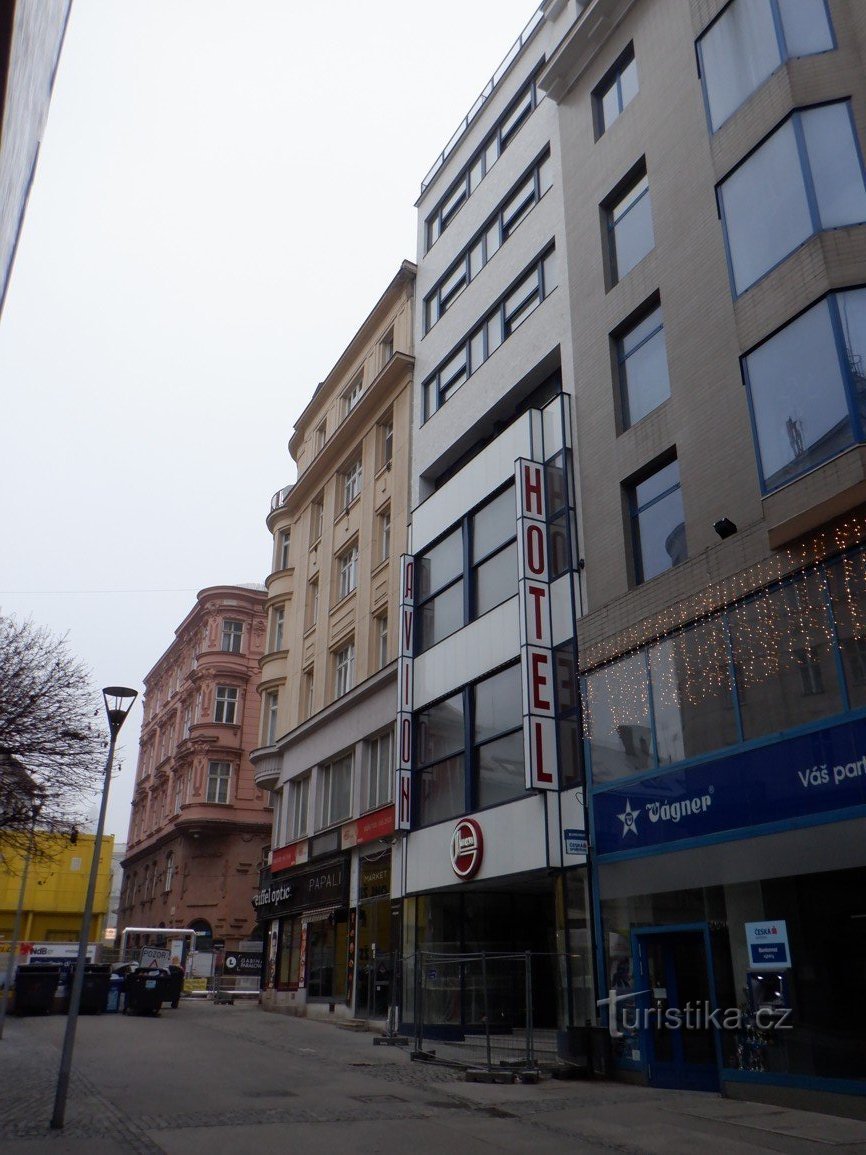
617	88
289	954
658	523
327	958
807	388
803	179
749	41
642	363
629	225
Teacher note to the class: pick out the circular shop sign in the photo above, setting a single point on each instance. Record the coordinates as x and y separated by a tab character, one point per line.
467	848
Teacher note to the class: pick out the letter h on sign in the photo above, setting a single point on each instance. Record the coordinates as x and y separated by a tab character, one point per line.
536	654
403	770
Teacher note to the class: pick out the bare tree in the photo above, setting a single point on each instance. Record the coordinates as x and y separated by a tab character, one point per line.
51	745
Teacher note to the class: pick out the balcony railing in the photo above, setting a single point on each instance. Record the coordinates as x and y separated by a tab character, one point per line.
280	497
510	56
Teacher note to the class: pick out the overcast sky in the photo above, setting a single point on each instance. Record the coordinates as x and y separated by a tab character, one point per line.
222	195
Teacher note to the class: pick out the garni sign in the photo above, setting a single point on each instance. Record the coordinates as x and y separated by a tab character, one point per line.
467	848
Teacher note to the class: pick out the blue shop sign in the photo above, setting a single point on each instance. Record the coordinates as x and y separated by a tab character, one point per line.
813	773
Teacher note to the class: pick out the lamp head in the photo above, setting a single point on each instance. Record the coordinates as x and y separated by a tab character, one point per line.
118	703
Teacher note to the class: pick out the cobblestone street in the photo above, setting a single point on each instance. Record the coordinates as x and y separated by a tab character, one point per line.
234	1079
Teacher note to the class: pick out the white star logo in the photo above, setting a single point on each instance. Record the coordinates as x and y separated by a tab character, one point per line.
628	818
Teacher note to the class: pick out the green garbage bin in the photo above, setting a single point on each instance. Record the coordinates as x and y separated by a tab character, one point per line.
35	986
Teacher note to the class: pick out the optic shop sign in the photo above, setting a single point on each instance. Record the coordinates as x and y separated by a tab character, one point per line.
790	781
767	943
403	790
536	653
467	848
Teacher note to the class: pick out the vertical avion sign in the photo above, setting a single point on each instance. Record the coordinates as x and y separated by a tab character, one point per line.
536	652
403	785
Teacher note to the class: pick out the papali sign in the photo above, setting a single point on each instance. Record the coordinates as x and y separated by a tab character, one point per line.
324	885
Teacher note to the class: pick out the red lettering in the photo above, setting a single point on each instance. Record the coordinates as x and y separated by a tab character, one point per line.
408	579
541	775
406	685
405	741
538	595
532	492
537	679
535	550
408	618
404	798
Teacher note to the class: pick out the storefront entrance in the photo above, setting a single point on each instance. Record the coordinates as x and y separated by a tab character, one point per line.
674	998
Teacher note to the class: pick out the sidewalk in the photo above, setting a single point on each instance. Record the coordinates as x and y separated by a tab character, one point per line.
235	1079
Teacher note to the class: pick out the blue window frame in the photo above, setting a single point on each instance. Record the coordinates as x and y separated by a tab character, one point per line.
617	88
807	388
805	177
629	224
749	40
658	522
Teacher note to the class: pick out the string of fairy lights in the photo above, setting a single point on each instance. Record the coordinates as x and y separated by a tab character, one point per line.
775	616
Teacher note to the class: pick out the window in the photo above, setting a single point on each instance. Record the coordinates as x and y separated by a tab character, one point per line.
334	791
348	571
643	367
344	670
507	315
233	633
307	684
169	872
353	394
272	705
481	163
284	541
488	575
299	796
806	177
386	442
384	534
178	793
312	603
658	525
520	201
629	225
218	778
317	510
321	436
225	705
749	41
381	627
278	622
617	88
440	777
386	347
807	388
352	477
380	770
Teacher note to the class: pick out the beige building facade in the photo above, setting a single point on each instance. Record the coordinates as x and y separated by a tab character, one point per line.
325	740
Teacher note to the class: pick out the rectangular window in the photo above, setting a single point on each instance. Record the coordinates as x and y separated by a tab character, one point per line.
386	443
353	394
441	765
233	633
226	705
312	603
806	177
352	478
218	780
307	685
321	436
516	206
334	792
317	511
271	708
386	347
748	42
380	770
807	388
503	319
658	524
384	535
629	226
284	541
643	367
344	670
348	571
617	88
278	622
497	739
299	796
381	624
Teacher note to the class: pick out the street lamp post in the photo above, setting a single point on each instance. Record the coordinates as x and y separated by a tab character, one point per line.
16	929
118	703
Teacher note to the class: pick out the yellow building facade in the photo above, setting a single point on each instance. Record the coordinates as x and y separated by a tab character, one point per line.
56	889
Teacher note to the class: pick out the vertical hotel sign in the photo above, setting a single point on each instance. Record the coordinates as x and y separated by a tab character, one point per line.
403	785
536	652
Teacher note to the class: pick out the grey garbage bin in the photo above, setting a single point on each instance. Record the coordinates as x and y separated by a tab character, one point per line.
35	987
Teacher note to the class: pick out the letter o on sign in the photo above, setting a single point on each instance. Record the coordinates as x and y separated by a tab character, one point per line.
467	848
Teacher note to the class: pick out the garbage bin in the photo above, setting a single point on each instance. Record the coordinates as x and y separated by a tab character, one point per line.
600	1052
145	992
94	991
115	993
35	986
174	985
